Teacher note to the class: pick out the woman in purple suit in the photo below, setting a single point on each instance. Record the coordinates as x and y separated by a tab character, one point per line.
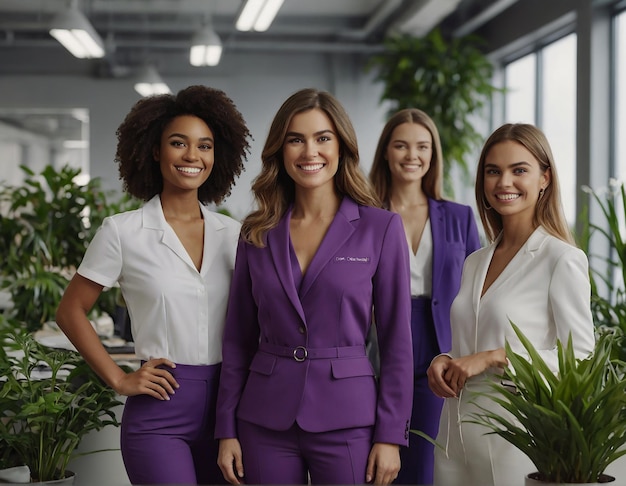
407	176
298	397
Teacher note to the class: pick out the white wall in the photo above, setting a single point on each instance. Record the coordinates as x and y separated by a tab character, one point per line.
257	84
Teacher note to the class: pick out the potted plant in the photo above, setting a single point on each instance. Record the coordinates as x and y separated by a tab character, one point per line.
608	278
572	423
45	227
49	400
450	79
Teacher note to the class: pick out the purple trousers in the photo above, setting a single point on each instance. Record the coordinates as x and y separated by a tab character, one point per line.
293	456
418	459
171	441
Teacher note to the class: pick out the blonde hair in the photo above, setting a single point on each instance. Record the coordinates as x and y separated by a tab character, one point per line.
549	210
274	190
380	175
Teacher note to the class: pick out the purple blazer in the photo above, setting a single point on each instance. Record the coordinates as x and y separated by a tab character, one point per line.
455	236
299	356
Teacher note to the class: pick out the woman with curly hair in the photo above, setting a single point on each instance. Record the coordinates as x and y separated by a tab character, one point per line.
298	396
173	260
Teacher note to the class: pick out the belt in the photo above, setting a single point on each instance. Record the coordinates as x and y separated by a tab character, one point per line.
301	353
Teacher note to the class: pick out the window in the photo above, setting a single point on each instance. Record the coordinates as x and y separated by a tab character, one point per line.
620	96
541	89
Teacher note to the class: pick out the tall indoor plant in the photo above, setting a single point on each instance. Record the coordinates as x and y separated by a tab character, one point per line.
46	224
451	79
572	423
49	400
608	277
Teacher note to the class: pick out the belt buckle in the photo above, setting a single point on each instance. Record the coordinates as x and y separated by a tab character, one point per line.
300	354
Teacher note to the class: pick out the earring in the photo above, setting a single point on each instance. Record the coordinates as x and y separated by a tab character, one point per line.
487	207
541	191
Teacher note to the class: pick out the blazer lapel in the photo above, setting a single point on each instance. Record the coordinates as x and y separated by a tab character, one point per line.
153	218
518	262
480	273
278	243
338	232
438	230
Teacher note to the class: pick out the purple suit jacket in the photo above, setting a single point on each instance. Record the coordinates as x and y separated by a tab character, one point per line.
455	236
361	262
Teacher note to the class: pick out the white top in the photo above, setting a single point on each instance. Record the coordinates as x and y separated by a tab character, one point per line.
176	312
422	264
544	290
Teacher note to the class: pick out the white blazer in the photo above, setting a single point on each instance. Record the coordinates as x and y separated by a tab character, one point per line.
544	290
176	311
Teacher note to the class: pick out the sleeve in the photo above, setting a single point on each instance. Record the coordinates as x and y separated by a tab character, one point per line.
569	296
102	262
240	343
392	304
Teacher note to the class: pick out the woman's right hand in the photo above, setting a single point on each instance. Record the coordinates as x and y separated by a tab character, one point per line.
436	377
447	376
150	379
229	459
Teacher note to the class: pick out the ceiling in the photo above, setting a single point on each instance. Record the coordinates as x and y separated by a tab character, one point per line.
160	31
134	30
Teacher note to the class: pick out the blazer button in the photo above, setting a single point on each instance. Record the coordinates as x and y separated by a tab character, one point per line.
301	330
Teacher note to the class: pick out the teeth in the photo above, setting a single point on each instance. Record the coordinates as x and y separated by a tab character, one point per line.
189	170
312	167
507	197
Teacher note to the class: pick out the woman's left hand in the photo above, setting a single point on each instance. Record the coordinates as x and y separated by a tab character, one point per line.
383	463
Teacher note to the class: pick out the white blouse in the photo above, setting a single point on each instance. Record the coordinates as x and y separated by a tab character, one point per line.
176	312
422	264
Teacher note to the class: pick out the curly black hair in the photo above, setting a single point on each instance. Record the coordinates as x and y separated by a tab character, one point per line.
140	134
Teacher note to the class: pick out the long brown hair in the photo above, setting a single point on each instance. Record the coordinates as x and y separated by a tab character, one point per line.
380	175
549	210
274	190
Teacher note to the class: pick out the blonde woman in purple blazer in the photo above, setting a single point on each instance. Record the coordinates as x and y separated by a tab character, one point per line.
407	176
298	396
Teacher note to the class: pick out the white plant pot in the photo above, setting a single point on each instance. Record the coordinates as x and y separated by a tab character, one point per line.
530	481
17	474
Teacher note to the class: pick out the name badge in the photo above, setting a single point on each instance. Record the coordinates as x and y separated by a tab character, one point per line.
352	259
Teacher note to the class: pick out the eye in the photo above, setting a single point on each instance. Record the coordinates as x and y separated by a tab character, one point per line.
492	171
399	146
520	170
294	140
206	146
177	143
324	138
423	147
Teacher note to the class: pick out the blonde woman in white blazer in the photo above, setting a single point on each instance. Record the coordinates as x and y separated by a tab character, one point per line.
173	260
531	273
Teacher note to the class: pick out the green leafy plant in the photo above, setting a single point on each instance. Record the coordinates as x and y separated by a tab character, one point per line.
49	400
450	79
45	228
571	424
608	285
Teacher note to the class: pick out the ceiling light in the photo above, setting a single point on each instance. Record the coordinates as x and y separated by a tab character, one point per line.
72	29
206	47
258	14
150	83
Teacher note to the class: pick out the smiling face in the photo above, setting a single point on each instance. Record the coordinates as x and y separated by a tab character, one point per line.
409	152
513	179
186	153
311	150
